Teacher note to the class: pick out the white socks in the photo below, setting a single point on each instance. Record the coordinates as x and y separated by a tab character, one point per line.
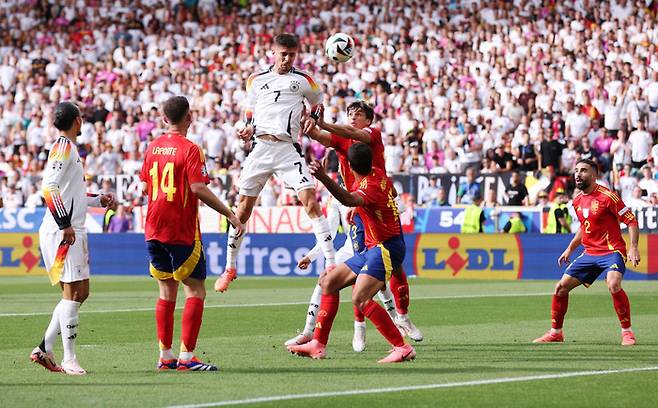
386	296
167	354
68	323
556	331
185	355
53	329
323	237
313	307
232	248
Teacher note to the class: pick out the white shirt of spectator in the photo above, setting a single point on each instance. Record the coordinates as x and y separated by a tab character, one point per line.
640	141
626	185
578	123
277	101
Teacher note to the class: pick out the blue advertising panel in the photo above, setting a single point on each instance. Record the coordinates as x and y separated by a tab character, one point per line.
260	255
21	219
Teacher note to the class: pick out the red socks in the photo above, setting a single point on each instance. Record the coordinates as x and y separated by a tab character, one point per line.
559	308
326	315
164	322
623	308
400	289
192	316
382	321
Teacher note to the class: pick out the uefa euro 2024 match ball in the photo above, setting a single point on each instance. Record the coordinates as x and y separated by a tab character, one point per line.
339	47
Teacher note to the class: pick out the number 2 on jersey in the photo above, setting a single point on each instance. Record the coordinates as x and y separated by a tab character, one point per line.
587	225
167	182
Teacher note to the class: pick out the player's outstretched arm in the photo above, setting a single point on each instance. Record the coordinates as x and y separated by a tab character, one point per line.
345	131
345	197
207	196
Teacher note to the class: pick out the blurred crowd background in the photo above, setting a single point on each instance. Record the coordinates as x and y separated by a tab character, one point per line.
519	88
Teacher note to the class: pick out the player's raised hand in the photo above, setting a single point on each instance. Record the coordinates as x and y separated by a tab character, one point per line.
308	123
564	258
317	170
304	263
237	225
246	133
319	114
634	255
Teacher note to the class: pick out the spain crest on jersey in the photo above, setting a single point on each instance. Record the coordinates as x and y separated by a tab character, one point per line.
594	206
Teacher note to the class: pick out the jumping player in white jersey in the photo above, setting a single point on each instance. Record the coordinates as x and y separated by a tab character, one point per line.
63	238
274	107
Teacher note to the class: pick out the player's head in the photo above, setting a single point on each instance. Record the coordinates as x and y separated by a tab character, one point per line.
285	47
360	157
177	112
360	114
68	117
585	173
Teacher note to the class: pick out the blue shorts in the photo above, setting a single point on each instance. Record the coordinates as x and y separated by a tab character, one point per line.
379	261
358	234
586	268
179	262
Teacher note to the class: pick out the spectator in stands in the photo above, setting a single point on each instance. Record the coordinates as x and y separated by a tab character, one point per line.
648	183
474	217
516	192
122	220
429	192
641	144
559	220
515	224
441	199
469	188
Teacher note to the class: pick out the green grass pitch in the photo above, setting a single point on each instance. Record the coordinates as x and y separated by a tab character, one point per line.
475	333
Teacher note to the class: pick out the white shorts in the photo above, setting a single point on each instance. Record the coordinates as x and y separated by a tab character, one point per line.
76	262
281	158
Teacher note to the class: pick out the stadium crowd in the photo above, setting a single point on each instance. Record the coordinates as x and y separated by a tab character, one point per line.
458	86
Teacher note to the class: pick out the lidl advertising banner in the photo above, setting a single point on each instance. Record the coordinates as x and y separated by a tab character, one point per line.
20	255
468	256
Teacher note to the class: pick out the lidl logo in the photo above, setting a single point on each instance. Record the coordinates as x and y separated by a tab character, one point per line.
19	255
468	256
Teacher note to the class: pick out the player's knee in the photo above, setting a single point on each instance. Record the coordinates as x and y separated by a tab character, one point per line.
614	286
359	301
561	289
312	208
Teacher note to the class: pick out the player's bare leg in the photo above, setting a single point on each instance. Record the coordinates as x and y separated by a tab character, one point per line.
245	207
622	307
559	306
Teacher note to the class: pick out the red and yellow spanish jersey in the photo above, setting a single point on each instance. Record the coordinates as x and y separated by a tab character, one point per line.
600	213
171	165
380	212
341	145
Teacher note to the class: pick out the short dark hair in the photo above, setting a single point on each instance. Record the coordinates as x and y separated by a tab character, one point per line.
591	163
360	157
175	109
287	40
65	114
364	107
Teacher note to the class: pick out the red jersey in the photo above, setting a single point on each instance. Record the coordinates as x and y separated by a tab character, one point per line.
600	213
341	145
172	164
380	212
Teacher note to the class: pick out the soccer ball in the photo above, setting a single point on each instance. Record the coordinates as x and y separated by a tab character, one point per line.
339	47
